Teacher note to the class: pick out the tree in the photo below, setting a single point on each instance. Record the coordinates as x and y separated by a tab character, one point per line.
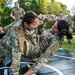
33	5
38	6
44	6
2	3
52	1
73	10
63	7
54	8
4	12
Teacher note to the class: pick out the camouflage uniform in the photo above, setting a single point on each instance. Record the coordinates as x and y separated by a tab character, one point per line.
69	20
43	20
61	18
6	28
71	23
2	54
38	48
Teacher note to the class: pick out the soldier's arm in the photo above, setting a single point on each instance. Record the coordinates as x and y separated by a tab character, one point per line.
43	20
12	15
11	42
44	58
6	28
23	12
16	55
40	29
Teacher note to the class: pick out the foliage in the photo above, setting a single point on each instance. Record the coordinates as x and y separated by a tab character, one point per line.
52	1
44	6
5	12
33	5
49	25
3	2
63	7
6	19
73	10
1	10
54	8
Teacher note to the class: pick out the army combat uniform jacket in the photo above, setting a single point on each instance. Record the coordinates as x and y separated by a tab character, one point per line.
39	48
69	19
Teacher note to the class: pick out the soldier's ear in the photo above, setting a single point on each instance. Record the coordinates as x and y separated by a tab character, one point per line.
25	23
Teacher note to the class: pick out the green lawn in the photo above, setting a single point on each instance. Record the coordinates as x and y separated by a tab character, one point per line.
69	47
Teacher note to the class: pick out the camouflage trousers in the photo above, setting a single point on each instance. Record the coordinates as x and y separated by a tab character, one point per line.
71	29
3	53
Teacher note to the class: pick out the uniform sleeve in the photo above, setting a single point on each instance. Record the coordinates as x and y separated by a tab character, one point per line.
12	12
11	42
16	55
6	28
40	29
45	57
23	11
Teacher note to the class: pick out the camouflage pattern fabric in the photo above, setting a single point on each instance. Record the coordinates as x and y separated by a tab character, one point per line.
6	28
2	54
38	48
61	18
71	23
43	20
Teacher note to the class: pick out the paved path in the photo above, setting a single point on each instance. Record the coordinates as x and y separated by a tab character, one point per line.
62	63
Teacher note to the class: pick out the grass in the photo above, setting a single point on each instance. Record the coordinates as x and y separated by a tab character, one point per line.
69	47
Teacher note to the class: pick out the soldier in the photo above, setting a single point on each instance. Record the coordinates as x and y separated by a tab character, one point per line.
17	12
22	40
69	19
61	16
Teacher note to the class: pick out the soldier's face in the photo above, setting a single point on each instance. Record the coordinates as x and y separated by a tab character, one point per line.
61	14
33	25
55	28
17	5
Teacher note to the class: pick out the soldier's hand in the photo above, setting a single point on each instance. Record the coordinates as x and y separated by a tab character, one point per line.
29	72
1	29
44	23
14	18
